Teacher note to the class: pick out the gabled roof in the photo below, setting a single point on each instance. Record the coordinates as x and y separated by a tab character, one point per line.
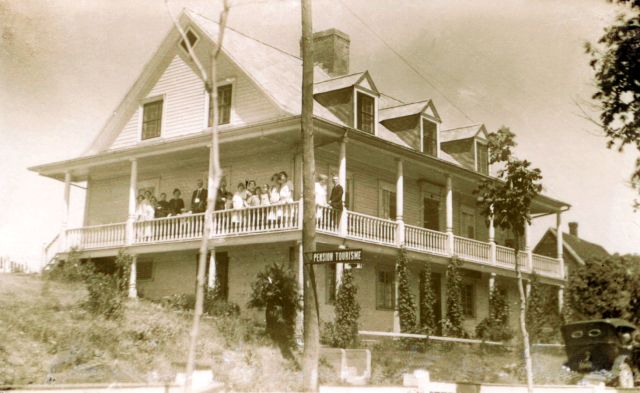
415	108
580	249
341	82
455	134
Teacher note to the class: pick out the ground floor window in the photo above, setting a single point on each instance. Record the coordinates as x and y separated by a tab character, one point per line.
385	290
330	282
468	300
144	270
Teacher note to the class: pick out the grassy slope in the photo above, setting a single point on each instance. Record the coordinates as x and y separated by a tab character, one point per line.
45	335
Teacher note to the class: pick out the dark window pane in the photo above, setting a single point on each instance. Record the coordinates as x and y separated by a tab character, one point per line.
365	115
330	284
224	105
192	40
144	270
431	213
483	158
385	290
151	119
430	138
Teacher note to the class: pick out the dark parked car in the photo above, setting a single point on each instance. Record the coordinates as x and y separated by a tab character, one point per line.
609	347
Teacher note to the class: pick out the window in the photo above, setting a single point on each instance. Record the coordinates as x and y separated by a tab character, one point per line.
388	208
365	112
468	301
151	119
431	213
429	138
144	270
192	37
483	158
330	282
468	218
385	290
224	105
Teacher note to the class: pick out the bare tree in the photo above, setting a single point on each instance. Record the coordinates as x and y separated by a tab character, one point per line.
311	317
214	176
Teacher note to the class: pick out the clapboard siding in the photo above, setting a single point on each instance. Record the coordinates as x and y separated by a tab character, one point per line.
185	102
107	202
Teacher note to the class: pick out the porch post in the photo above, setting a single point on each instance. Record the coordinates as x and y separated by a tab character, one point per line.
561	299
300	273
400	201
449	213
340	270
342	175
492	281
211	282
396	311
65	217
492	238
133	291
297	180
527	246
560	243
133	190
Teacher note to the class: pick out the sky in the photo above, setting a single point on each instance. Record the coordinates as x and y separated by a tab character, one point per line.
65	66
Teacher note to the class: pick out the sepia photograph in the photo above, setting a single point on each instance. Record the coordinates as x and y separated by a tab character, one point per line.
336	196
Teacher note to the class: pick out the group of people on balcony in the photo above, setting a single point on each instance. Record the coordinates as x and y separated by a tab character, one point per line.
249	194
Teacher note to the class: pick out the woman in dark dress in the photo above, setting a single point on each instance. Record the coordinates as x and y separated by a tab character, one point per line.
176	204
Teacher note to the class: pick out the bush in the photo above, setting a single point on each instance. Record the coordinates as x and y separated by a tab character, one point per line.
179	301
452	324
108	292
428	317
276	290
215	306
344	332
541	311
71	269
495	327
406	302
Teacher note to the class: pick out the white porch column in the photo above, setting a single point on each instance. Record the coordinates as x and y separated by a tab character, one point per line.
449	212
67	210
560	298
400	201
527	246
492	238
492	281
133	190
560	242
396	311
133	291
342	175
211	282
340	270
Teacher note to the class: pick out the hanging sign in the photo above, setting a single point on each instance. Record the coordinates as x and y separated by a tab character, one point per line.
342	255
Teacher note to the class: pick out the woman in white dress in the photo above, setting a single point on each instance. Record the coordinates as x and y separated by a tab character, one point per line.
238	201
286	196
321	197
274	198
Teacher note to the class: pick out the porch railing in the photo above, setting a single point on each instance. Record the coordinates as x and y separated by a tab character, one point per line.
422	239
258	219
369	228
158	230
286	217
472	250
96	236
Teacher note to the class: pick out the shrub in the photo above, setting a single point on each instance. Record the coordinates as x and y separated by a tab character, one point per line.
406	302
541	310
276	290
71	269
452	324
427	301
108	292
179	301
347	312
495	327
216	306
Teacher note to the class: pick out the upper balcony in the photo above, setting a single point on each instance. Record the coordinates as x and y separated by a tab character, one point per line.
287	218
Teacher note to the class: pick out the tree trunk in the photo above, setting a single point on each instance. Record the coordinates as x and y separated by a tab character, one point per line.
311	318
213	182
522	317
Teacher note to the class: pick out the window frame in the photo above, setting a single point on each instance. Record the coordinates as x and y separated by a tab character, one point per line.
469	313
477	157
331	283
356	114
143	103
381	305
382	187
207	107
141	262
195	42
467	210
422	136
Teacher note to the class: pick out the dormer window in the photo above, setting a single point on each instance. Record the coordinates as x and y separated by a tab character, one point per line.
152	119
365	112
482	158
192	37
224	105
429	138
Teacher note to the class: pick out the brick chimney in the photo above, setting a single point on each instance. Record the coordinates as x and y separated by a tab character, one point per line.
331	51
573	228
